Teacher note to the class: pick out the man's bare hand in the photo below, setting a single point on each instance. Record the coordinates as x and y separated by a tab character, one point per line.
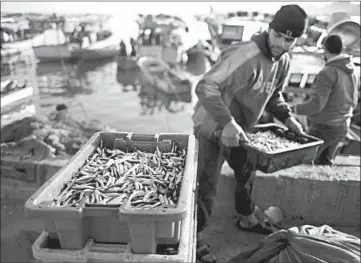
232	134
293	125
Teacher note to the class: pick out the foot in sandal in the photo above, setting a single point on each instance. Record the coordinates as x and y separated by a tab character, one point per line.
252	223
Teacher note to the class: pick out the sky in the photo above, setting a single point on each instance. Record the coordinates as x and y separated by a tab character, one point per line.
131	8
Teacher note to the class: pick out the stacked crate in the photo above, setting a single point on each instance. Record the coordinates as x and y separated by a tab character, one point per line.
89	233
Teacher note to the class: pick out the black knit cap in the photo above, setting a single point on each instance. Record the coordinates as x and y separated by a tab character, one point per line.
290	20
60	107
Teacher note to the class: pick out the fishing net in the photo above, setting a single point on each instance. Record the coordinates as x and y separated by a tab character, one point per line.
306	244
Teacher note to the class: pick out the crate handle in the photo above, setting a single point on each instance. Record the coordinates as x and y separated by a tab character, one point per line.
144	137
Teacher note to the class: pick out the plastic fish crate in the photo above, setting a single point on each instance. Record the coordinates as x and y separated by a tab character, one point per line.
144	229
43	248
278	160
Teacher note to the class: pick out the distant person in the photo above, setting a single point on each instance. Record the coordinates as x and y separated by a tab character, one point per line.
332	101
123	49
133	45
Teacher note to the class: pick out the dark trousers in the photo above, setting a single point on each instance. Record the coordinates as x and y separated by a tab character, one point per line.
332	136
211	157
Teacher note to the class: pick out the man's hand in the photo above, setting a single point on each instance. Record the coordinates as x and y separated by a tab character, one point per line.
232	134
293	125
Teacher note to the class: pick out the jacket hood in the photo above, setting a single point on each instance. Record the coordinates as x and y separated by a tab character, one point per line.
262	42
342	62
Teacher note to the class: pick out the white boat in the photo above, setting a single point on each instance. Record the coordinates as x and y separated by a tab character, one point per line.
71	51
57	46
21	112
12	47
13	95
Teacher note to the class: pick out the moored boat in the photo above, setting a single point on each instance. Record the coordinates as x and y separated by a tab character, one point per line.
14	95
88	40
16	36
158	74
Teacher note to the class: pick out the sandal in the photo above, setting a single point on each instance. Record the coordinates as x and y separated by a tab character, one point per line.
205	255
259	228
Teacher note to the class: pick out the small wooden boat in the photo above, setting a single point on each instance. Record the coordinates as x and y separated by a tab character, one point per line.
158	74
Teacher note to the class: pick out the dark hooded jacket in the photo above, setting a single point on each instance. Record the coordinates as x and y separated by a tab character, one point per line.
243	82
334	93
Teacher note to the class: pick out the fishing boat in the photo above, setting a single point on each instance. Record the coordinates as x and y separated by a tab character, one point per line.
198	47
158	74
157	37
16	36
88	40
14	95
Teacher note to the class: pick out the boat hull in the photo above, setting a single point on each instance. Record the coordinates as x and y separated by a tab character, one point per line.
52	53
15	98
90	54
68	52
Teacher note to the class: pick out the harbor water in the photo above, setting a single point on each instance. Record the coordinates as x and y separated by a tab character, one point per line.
93	90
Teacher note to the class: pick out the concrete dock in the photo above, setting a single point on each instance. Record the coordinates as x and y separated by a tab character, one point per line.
331	191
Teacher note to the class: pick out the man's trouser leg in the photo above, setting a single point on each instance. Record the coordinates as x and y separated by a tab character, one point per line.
210	160
331	135
244	175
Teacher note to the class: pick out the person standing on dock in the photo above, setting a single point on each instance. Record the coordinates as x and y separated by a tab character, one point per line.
134	47
122	49
247	79
332	101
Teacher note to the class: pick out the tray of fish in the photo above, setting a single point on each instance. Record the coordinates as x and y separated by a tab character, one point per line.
145	180
272	147
117	183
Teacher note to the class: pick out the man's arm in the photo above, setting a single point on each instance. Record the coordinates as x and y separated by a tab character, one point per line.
221	75
321	90
208	92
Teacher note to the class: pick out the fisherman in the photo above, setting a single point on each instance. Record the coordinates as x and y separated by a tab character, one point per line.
247	79
332	101
123	49
133	45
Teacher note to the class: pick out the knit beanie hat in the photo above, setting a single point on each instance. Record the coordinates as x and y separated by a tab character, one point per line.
290	20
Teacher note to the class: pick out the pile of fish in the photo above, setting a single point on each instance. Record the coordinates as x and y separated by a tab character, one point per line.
111	176
268	141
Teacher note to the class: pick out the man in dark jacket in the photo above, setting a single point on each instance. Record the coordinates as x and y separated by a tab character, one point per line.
334	96
247	79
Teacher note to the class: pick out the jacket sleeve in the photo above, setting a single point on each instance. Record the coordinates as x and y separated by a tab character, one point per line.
209	94
356	93
277	104
321	90
222	76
